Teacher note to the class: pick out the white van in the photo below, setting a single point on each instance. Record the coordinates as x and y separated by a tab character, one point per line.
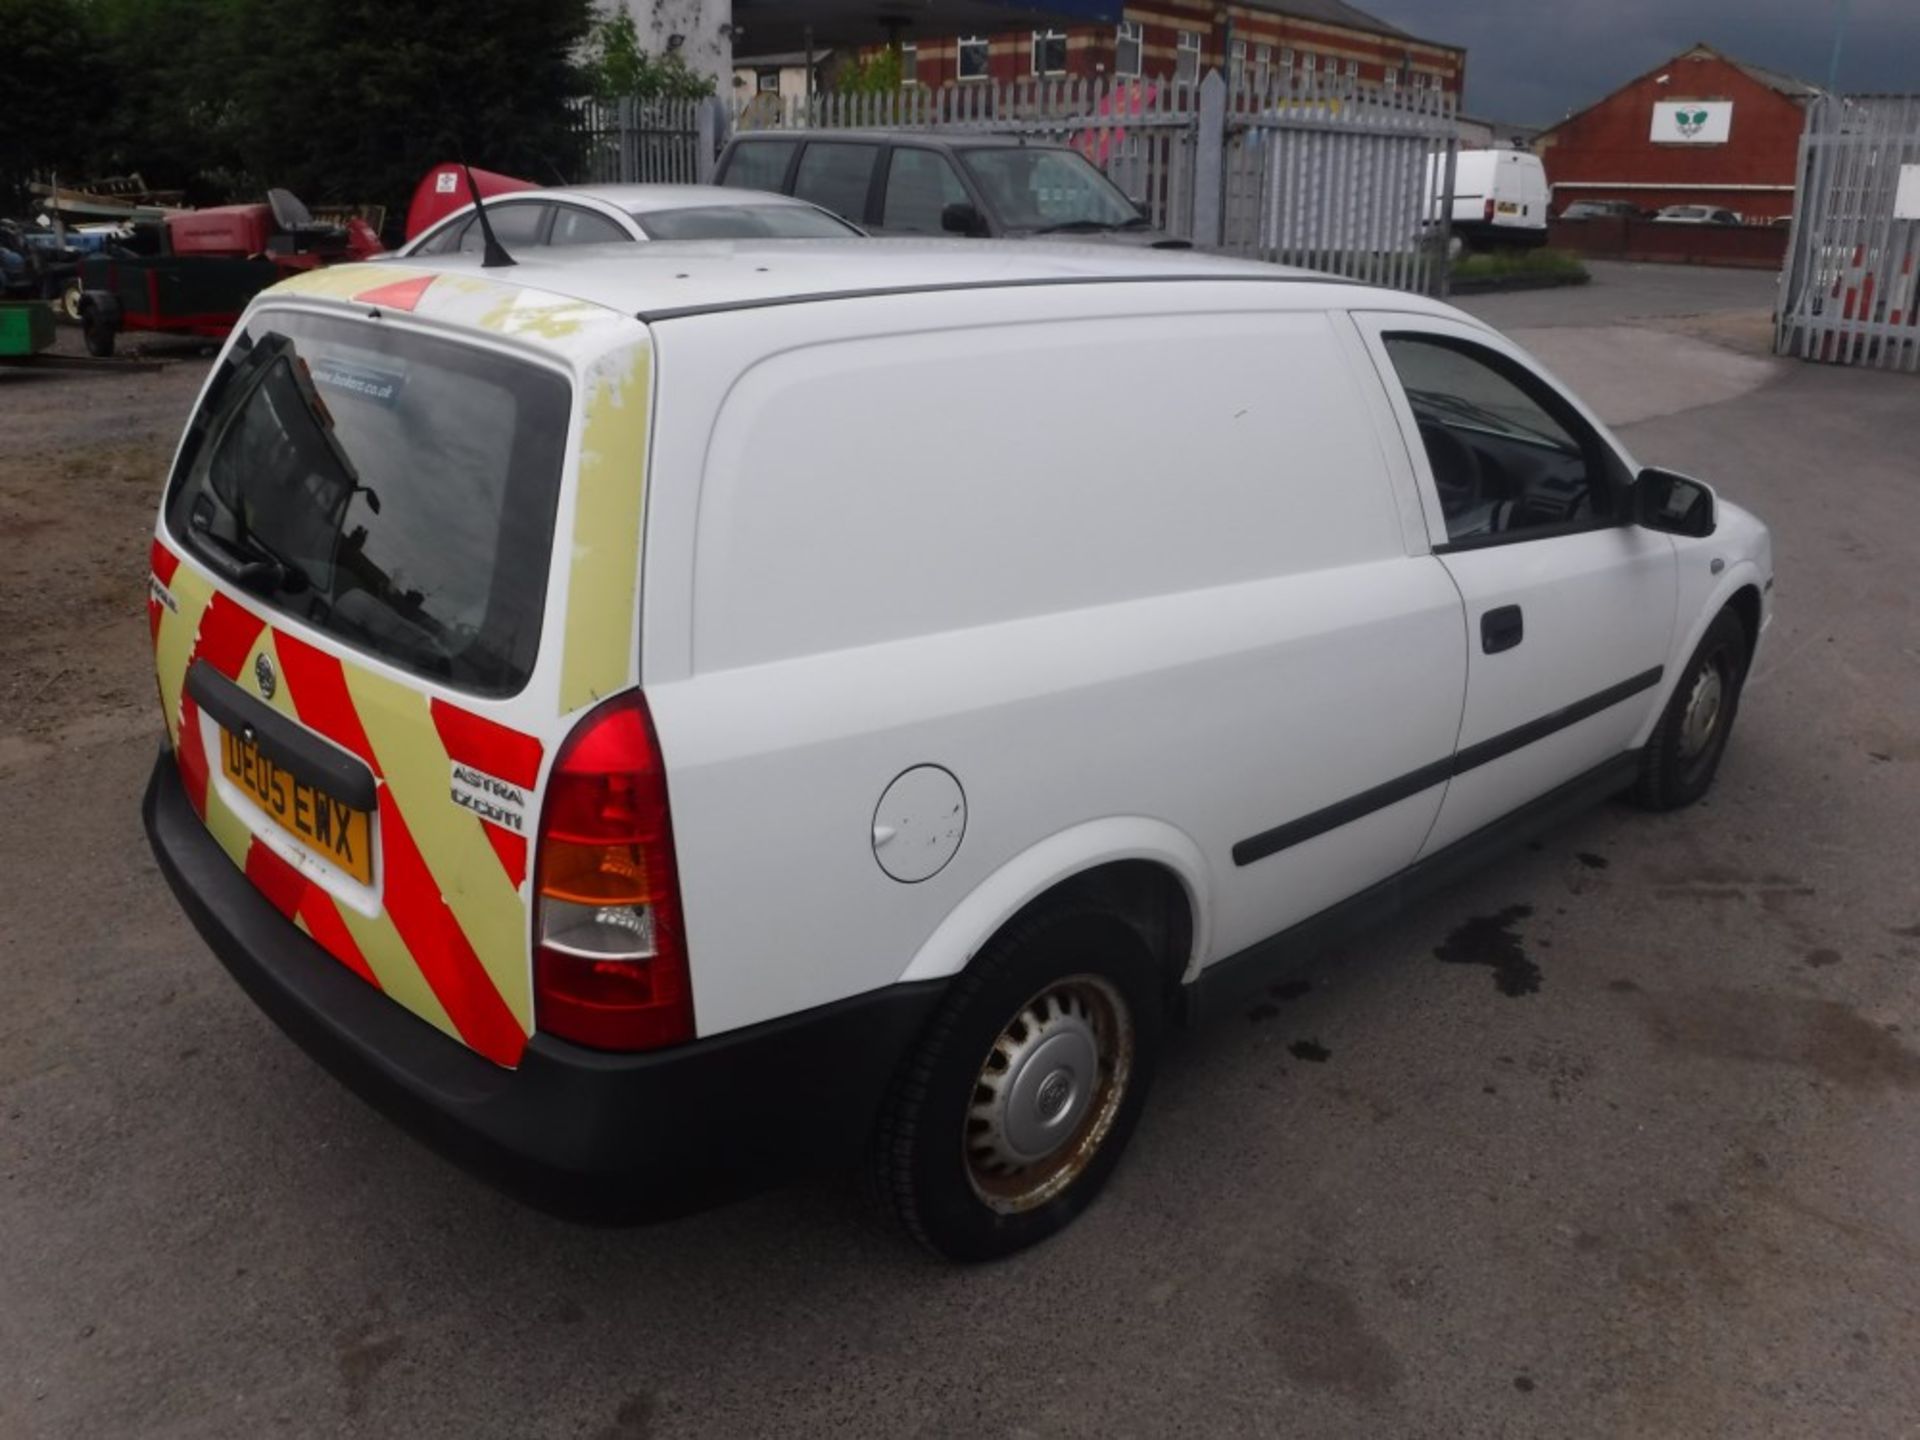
1499	197
658	717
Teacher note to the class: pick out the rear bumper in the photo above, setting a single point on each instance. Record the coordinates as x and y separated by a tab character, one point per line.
577	1132
1490	232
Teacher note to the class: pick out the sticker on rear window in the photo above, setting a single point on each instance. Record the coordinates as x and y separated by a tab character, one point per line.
363	380
491	798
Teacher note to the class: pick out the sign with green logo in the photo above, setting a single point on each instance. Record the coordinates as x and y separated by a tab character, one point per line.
1692	122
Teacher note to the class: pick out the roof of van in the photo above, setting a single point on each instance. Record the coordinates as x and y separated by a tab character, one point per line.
669	278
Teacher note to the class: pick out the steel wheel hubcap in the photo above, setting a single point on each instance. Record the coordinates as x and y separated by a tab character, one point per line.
1703	711
1046	1095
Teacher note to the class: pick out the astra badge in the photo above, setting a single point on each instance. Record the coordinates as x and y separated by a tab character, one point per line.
264	677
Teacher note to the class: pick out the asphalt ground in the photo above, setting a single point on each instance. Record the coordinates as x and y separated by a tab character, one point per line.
1672	1189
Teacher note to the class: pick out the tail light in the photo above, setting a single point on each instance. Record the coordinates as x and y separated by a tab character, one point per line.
1488	212
610	958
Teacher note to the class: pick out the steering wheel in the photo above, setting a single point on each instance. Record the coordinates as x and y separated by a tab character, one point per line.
1456	468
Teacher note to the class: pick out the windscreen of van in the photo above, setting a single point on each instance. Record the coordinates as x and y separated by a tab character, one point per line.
389	488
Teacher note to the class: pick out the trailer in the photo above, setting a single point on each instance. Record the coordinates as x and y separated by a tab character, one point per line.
205	265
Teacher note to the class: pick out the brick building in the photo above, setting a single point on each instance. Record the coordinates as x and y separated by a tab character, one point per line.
1184	39
1699	129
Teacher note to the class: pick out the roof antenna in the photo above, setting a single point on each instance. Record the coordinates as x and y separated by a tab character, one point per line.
496	253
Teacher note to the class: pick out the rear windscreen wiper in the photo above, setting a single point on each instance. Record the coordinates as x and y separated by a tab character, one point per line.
248	560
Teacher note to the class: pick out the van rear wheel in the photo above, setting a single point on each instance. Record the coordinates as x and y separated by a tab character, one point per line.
1010	1116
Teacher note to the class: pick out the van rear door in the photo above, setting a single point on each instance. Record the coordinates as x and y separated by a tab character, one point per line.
350	589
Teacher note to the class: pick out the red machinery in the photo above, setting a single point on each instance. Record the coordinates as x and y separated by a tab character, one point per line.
209	264
443	190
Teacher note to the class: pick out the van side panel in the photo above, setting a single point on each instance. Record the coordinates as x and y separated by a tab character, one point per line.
1134	565
984	475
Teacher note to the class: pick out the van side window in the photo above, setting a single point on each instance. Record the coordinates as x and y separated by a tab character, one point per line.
836	177
920	184
759	165
1509	459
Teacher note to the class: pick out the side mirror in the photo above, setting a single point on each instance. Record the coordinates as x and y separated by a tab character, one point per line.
960	218
1672	503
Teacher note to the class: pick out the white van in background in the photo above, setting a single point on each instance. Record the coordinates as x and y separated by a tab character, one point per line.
1499	197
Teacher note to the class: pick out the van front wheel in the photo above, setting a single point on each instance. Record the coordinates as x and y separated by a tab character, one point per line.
1008	1119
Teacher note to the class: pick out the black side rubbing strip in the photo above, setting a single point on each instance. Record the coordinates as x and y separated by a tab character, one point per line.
299	752
1487	750
1344	812
1341	812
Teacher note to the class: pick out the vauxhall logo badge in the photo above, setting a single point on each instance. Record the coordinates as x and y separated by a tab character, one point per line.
263	675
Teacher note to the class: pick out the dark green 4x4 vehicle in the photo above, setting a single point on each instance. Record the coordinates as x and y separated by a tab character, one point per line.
913	183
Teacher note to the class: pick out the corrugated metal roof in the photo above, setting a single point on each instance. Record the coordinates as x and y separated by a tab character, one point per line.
1330	12
1777	80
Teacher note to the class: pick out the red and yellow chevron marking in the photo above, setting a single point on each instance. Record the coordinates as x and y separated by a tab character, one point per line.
598	655
486	745
450	942
163	562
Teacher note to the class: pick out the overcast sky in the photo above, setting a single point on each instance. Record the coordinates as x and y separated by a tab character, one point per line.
1533	61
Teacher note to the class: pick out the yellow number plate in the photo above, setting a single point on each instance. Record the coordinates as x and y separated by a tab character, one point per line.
337	832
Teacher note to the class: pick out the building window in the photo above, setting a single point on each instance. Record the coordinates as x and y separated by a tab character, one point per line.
1286	61
1392	78
1262	67
1049	52
973	57
1353	69
768	82
1186	58
1330	65
1237	64
1127	47
909	64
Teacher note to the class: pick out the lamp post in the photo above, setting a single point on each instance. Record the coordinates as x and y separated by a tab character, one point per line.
1839	40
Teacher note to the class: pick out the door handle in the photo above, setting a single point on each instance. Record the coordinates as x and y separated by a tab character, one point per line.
1501	629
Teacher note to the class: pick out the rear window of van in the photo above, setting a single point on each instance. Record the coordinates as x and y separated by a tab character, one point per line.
391	489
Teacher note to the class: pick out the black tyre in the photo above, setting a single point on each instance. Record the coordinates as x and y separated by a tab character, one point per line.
1683	754
97	330
1009	1117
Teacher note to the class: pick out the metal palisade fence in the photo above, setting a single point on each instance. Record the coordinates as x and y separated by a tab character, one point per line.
650	141
1849	294
1299	170
1346	179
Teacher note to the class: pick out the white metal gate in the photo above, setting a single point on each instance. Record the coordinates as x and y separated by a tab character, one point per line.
1348	179
1848	293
